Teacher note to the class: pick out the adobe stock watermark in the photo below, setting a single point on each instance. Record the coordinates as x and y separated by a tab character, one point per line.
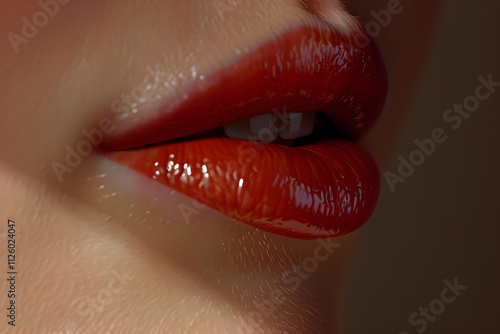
429	313
92	305
150	89
453	119
290	282
30	26
381	19
75	156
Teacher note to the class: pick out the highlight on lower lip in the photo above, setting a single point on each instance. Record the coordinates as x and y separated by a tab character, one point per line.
315	191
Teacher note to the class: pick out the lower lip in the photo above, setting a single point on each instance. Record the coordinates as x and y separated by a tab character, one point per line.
315	191
321	190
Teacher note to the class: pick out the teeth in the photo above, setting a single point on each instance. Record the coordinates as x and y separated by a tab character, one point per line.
267	127
297	125
261	128
264	127
240	129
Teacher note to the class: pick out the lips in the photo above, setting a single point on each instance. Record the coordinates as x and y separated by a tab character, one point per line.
320	187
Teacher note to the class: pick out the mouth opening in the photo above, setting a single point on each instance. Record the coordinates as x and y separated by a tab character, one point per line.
320	128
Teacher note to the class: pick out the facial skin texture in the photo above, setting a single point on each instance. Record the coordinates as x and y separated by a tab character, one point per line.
94	262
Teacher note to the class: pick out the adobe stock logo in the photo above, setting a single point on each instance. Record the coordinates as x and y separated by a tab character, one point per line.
453	118
436	307
74	157
30	27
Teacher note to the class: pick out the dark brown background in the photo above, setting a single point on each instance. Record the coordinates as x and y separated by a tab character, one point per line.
443	222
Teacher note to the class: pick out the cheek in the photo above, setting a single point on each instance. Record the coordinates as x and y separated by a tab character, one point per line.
63	62
38	55
11	12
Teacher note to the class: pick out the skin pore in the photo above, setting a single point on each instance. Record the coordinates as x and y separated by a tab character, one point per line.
98	252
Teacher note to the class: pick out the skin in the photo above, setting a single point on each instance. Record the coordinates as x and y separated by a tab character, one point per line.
85	264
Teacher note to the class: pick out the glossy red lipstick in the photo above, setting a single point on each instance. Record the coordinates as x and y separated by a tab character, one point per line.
323	189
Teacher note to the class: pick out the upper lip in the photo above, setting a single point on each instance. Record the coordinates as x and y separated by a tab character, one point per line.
349	86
